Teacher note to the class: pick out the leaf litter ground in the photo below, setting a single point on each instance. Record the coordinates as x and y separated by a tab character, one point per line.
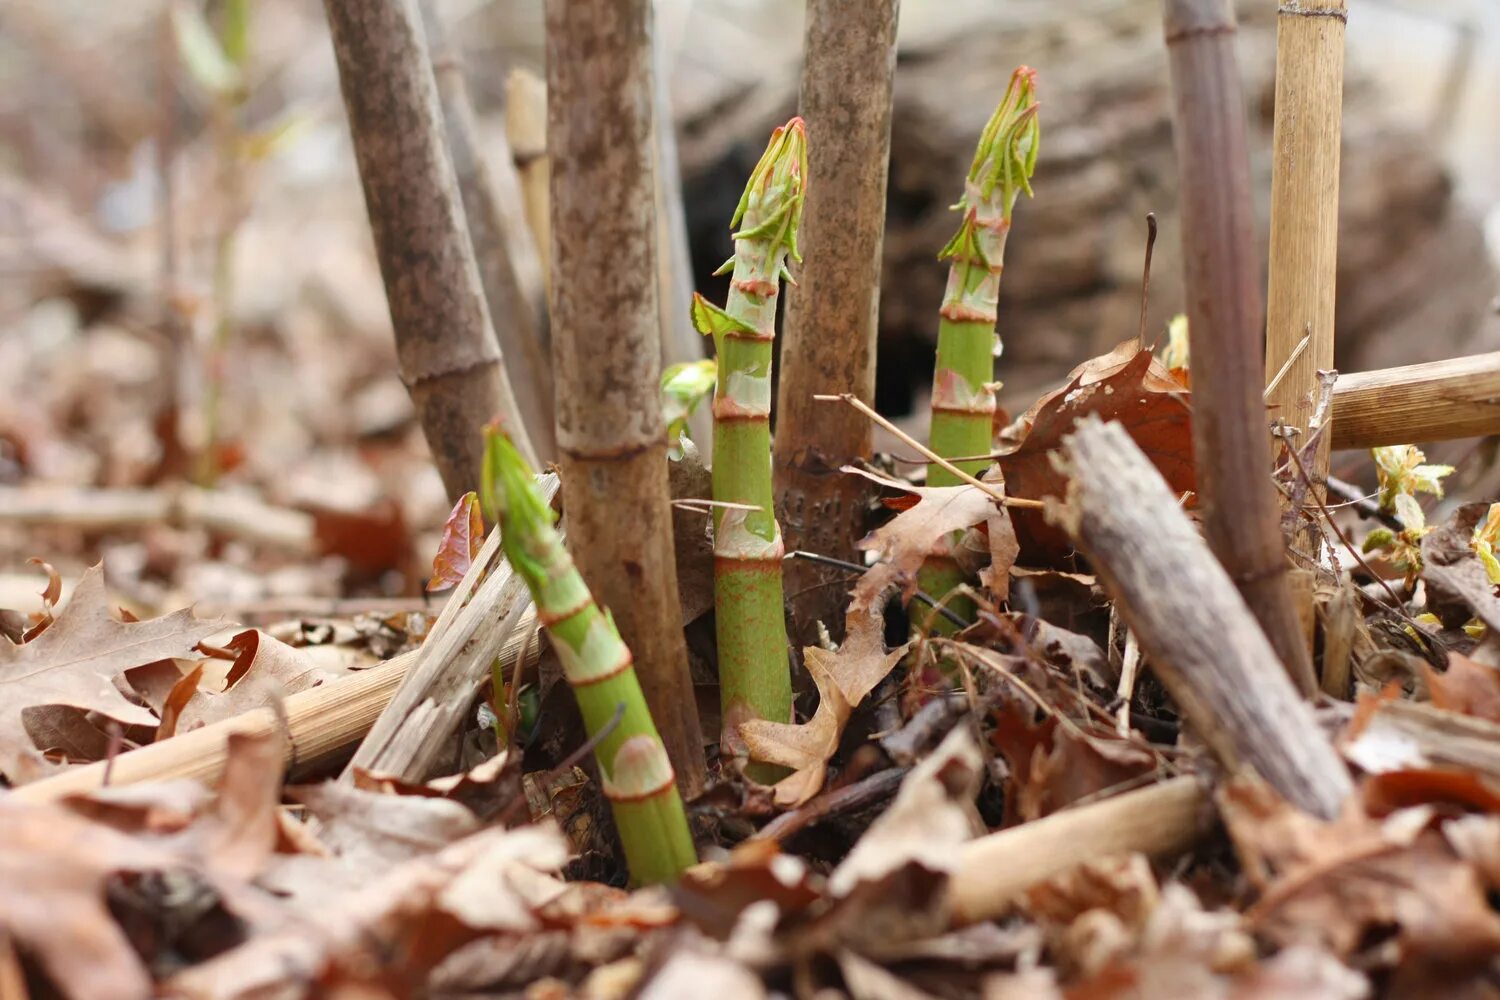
506	880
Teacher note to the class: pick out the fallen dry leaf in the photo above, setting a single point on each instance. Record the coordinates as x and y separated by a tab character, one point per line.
1004	550
843	679
372	830
392	930
463	537
54	867
1127	385
264	670
932	814
925	527
1466	687
75	661
1332	884
1457	584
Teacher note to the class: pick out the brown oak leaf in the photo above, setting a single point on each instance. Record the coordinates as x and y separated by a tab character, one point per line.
1127	385
265	668
75	661
906	540
843	678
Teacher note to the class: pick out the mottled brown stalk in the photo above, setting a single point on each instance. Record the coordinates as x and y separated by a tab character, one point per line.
606	346
1204	645
506	253
829	346
1305	216
1221	280
446	350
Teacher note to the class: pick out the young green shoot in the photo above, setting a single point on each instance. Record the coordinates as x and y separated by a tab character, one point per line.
633	765
963	386
754	670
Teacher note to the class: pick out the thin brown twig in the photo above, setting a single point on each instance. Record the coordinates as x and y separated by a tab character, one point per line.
932	456
1140	336
1328	519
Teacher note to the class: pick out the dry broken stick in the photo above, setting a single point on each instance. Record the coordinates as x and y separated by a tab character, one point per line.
1432	401
755	678
1222	282
606	345
963	387
445	348
849	52
1160	821
1204	644
637	775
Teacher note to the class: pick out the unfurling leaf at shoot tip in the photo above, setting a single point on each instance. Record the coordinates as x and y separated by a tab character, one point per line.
771	206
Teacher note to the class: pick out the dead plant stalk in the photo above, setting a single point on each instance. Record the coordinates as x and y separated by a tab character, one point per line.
606	346
1221	275
445	348
504	250
1305	215
829	331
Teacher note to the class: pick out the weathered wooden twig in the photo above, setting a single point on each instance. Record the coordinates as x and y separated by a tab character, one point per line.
1222	284
447	353
1159	821
606	347
1305	217
829	345
222	511
1201	639
1433	401
506	253
415	734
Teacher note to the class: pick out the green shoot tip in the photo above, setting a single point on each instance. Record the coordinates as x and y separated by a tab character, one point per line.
771	206
1007	150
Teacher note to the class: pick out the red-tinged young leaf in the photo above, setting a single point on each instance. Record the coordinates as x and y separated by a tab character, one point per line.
76	660
1127	385
926	527
463	535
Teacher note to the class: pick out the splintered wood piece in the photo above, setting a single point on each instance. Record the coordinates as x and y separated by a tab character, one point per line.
1203	643
416	734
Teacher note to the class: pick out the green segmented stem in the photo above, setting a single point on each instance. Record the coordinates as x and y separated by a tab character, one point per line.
637	776
754	670
963	390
